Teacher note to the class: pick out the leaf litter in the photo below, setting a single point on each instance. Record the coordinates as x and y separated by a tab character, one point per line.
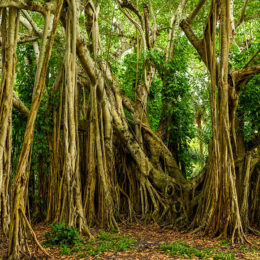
150	241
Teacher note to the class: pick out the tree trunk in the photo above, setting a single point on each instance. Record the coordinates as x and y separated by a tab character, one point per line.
9	32
19	223
219	213
71	208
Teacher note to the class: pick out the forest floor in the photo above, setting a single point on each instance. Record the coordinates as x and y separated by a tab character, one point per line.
137	241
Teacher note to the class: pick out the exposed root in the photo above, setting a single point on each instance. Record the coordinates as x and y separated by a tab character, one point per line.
33	233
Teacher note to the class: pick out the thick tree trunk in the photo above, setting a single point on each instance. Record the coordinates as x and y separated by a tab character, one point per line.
19	223
225	212
9	33
70	207
219	213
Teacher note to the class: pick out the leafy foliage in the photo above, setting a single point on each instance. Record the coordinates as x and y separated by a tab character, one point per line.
70	242
181	248
63	235
249	109
176	95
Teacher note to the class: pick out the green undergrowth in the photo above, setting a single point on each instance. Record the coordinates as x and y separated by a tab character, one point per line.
69	242
182	249
225	243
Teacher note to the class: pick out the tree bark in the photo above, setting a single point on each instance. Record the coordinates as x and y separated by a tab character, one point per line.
19	222
9	32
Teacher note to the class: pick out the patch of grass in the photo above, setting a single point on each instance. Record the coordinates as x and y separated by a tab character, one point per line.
105	236
69	242
254	249
65	250
243	247
62	235
224	243
181	248
114	230
224	256
107	242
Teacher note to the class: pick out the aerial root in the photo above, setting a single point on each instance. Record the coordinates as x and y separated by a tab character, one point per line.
33	233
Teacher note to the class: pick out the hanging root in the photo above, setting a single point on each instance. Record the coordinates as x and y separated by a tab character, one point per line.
33	233
130	204
149	193
144	200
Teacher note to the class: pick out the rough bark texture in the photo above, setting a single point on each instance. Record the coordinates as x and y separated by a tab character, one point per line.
222	213
9	32
19	223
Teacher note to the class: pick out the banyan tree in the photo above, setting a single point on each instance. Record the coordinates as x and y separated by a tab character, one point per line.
106	162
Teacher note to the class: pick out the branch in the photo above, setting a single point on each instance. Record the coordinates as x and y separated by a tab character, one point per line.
127	102
162	29
251	17
195	41
138	27
242	76
154	27
114	24
30	20
42	8
174	24
242	15
146	21
232	22
195	11
119	35
24	39
124	47
26	24
29	27
85	58
28	38
253	57
19	105
127	4
203	46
